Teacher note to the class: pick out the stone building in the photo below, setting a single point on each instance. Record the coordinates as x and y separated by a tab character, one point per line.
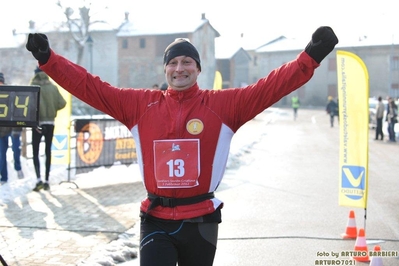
140	52
234	67
130	56
381	57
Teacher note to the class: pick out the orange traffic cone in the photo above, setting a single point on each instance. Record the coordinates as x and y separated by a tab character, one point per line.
351	230
376	260
361	250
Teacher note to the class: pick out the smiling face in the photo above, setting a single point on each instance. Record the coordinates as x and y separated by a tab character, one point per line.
181	72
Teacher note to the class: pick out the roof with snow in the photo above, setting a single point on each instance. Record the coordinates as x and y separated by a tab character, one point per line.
131	28
226	47
283	43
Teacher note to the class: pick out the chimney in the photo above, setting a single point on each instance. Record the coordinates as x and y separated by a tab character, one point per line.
31	25
126	16
203	16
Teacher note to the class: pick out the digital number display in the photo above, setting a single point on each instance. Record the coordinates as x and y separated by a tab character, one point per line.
19	106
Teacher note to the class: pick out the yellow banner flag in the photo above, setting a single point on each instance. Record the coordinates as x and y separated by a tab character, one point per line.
217	83
60	148
353	96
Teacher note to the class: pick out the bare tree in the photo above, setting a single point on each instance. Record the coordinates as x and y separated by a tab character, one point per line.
79	26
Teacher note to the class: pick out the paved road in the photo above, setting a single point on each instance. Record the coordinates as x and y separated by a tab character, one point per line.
281	207
281	204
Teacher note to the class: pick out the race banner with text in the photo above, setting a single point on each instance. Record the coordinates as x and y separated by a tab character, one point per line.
353	95
103	142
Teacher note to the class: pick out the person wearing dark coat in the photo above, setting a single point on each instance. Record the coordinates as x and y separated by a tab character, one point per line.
332	109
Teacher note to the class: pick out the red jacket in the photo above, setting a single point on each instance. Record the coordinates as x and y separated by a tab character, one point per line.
182	137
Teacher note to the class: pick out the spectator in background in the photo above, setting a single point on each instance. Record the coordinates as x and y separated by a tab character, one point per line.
5	134
295	105
392	118
332	109
51	101
379	115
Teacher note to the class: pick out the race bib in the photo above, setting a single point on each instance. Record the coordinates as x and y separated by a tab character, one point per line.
176	163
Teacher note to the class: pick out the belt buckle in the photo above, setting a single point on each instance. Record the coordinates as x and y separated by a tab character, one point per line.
167	202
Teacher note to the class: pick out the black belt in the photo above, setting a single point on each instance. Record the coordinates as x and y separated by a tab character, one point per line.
173	202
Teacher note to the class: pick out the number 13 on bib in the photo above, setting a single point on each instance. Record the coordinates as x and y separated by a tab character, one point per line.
176	163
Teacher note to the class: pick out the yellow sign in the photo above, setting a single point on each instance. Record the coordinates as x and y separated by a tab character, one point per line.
353	95
218	82
60	149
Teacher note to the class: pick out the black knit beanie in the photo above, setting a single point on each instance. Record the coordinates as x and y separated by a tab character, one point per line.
181	47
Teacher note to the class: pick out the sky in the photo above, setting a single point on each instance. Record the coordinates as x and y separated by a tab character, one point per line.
260	20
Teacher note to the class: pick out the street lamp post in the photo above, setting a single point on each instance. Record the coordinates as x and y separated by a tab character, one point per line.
89	41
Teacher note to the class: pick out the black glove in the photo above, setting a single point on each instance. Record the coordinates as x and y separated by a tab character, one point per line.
39	46
322	43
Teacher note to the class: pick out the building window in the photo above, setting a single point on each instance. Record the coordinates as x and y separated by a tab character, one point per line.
124	44
255	60
332	64
395	86
394	62
142	43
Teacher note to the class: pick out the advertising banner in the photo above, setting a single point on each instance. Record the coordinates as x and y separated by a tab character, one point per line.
353	95
103	142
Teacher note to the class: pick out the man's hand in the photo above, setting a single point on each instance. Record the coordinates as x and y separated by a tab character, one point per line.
38	45
322	43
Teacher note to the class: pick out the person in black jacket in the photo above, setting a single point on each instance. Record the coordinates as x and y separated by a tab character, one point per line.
379	115
332	109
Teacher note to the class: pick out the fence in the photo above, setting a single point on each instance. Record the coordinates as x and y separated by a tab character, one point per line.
92	143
